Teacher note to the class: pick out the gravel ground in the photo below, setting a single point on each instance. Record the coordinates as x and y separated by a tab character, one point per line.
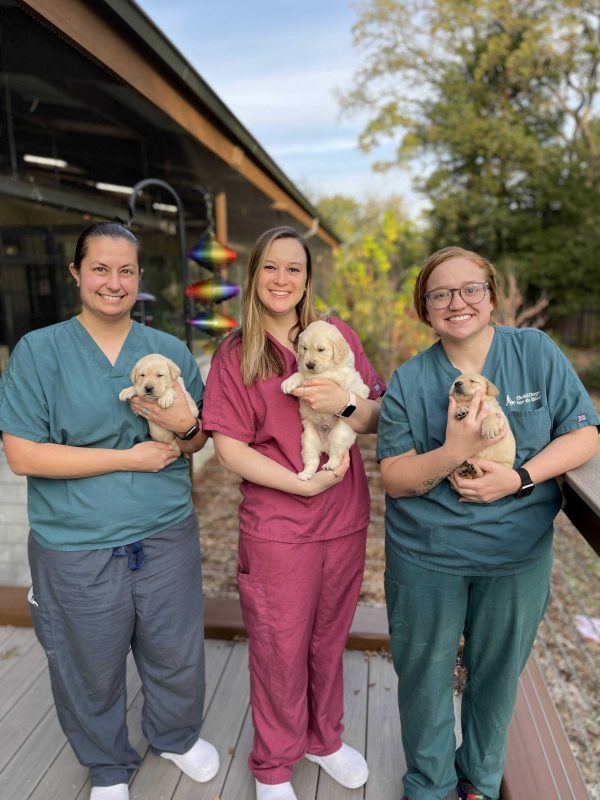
570	663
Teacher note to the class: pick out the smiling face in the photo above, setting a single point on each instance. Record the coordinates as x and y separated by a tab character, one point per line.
282	279
108	277
460	321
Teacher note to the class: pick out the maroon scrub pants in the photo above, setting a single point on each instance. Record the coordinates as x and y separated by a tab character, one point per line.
298	603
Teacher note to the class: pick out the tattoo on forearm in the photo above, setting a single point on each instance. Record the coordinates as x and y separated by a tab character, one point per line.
431	483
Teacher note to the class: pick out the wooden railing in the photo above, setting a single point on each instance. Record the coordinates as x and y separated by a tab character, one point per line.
539	761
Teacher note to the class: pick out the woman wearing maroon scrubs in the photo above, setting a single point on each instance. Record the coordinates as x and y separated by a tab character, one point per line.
302	543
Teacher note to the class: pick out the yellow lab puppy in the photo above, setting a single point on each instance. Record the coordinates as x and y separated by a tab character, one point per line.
153	378
323	352
503	452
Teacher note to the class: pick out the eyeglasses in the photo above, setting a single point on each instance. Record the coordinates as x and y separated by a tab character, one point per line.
471	293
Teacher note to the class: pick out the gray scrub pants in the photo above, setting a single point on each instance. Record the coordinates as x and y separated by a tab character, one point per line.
88	608
428	611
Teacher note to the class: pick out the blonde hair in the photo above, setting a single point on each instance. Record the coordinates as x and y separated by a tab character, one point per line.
259	357
437	258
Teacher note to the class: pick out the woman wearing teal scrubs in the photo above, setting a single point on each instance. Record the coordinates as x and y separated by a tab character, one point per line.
114	548
470	557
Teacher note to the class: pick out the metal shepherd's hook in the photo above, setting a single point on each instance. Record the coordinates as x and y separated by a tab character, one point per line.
185	271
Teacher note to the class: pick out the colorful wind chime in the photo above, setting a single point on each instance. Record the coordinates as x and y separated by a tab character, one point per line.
211	254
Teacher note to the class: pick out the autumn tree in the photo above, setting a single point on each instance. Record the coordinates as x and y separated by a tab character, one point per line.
498	98
373	279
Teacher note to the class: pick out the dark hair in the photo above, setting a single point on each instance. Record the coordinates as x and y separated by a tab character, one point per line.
437	258
113	229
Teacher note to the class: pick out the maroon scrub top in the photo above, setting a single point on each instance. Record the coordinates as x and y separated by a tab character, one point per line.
269	421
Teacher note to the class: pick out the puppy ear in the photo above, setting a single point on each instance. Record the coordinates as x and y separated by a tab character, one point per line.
491	390
174	370
134	373
340	349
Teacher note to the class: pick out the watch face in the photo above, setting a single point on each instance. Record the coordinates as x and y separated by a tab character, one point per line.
526	490
350	409
192	431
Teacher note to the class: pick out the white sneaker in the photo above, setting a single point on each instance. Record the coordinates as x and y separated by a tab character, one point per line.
118	791
200	763
346	766
275	791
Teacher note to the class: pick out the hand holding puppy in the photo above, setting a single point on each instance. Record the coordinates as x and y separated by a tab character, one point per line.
497	481
177	417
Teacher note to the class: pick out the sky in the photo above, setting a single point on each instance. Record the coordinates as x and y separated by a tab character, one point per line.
276	64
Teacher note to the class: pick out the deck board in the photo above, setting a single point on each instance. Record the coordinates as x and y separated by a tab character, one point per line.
36	763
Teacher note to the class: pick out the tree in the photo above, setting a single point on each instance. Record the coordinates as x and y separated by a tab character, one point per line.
373	278
500	100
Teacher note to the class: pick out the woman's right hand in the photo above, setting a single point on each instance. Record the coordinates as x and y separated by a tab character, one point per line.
463	436
325	478
150	456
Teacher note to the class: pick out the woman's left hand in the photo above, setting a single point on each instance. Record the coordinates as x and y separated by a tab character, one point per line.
497	482
322	395
177	417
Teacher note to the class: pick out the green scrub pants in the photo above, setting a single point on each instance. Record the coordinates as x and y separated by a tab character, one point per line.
427	612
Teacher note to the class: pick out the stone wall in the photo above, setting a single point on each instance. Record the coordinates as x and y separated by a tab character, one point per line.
14	527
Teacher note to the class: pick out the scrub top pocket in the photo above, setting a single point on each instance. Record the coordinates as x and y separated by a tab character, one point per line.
532	430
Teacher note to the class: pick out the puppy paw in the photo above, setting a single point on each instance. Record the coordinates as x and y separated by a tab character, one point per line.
127	394
490	429
306	474
331	465
291	383
462	472
469	471
461	412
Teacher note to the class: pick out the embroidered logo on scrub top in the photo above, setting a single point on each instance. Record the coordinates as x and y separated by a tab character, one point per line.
521	399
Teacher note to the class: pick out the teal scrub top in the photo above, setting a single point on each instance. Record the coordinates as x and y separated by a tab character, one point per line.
542	398
59	387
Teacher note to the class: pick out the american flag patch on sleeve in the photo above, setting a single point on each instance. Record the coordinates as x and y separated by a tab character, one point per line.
581	417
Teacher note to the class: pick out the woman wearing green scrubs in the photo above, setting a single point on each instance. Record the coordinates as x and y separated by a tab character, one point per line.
470	557
114	547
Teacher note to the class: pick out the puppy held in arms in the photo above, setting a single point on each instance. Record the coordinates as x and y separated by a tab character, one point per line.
153	379
503	452
323	352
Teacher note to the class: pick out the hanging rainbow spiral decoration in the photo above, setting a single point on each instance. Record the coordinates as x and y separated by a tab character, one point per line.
211	254
213	323
214	290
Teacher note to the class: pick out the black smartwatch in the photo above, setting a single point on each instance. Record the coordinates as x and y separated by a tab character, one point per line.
189	434
350	408
527	485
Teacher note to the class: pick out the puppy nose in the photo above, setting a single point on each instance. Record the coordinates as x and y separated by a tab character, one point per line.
148	388
458	385
310	365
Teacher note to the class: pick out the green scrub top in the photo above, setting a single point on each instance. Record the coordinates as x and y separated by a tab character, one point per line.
542	398
59	387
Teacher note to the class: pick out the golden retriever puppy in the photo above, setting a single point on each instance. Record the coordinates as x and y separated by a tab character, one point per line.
153	379
323	352
503	452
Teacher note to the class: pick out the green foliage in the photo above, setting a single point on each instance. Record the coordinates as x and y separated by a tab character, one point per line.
500	97
374	277
591	376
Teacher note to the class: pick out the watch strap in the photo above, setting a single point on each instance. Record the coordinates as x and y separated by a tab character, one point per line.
527	485
191	432
350	406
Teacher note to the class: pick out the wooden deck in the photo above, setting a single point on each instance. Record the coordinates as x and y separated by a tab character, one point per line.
36	763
